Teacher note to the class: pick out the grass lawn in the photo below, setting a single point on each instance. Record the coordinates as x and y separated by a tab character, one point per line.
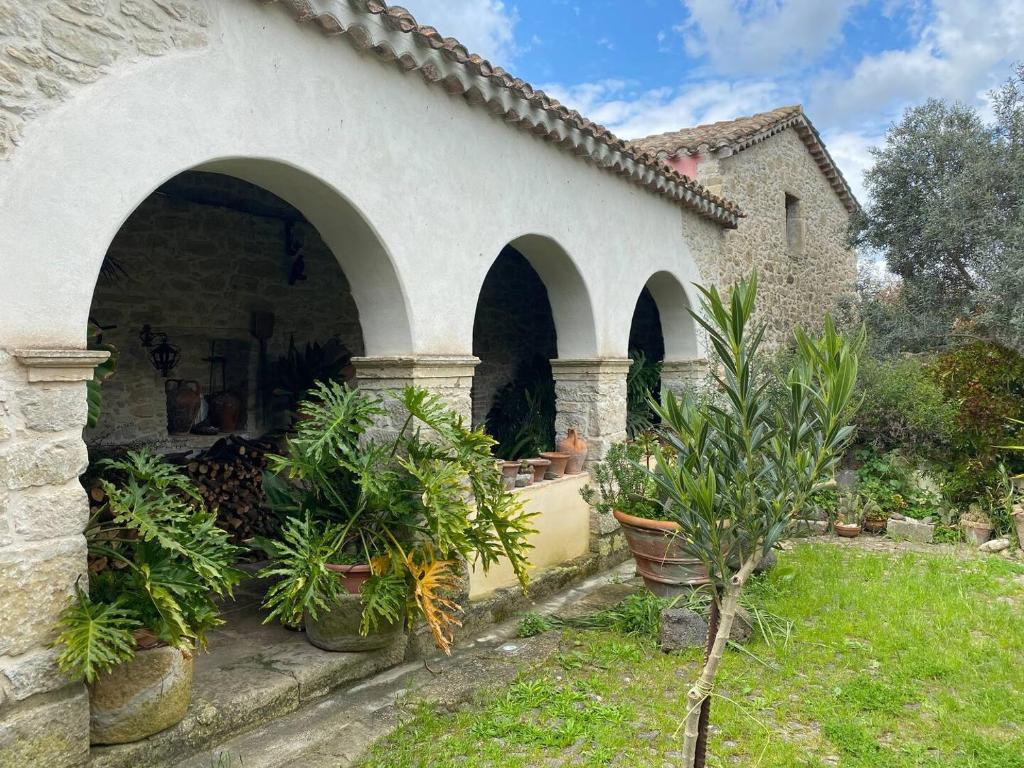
894	660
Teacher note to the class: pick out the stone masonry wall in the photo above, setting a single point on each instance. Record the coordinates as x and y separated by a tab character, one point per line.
196	272
50	48
44	717
795	288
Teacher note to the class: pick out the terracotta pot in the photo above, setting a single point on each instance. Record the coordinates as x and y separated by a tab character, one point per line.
225	410
183	401
657	548
976	533
140	697
576	447
337	628
558	461
540	467
847	530
875	524
1018	520
352	576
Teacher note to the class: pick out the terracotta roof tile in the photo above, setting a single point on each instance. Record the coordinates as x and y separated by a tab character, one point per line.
743	132
393	34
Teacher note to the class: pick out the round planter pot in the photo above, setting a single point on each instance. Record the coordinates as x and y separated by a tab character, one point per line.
337	628
876	525
657	548
509	469
976	533
140	697
847	531
352	576
558	461
540	467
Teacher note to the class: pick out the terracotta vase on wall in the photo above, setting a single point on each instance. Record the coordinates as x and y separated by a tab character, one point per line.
576	447
183	401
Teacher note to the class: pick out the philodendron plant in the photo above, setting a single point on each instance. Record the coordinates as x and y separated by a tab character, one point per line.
740	469
157	561
411	505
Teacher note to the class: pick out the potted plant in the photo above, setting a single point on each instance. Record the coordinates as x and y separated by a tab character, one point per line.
849	516
875	518
377	528
977	525
623	488
156	563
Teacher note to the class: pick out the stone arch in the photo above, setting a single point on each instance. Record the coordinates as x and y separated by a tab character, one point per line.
571	304
678	328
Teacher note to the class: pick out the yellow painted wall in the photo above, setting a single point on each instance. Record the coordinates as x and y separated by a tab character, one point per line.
563	531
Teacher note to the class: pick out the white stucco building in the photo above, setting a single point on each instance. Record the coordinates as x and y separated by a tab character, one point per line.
198	149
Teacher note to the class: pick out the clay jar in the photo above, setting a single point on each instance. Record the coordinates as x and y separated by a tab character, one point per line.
225	408
509	470
183	401
576	447
558	461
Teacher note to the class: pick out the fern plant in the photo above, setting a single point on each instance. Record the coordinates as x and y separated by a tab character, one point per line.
157	562
411	505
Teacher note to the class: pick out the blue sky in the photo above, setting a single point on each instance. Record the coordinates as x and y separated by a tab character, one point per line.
647	66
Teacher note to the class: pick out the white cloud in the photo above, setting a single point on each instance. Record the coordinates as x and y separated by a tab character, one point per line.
486	27
744	37
962	51
632	113
850	150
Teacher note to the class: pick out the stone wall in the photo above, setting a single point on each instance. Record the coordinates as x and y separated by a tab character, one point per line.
50	49
797	285
44	717
196	271
513	324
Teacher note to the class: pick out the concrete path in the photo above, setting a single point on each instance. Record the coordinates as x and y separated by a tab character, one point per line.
335	731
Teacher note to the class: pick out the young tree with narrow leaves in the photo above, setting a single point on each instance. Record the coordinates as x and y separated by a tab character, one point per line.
738	471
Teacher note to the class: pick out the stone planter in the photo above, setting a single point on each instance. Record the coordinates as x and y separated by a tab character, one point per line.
657	548
1018	521
337	628
976	533
140	697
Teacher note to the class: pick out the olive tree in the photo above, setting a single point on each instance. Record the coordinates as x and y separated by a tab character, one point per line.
739	468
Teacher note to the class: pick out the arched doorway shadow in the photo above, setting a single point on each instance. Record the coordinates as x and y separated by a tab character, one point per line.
662	335
533	307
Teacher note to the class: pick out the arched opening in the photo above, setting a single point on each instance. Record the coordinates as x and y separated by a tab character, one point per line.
515	339
224	304
662	332
532	307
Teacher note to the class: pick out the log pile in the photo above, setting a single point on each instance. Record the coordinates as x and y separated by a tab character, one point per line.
229	476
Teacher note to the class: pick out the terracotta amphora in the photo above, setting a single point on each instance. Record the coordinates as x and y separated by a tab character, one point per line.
576	447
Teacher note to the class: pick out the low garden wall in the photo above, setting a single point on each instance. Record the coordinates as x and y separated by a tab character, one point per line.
563	531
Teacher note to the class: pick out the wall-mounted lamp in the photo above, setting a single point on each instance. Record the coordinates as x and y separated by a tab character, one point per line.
162	354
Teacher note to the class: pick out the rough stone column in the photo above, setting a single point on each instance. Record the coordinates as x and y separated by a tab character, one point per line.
450	376
590	397
678	376
44	718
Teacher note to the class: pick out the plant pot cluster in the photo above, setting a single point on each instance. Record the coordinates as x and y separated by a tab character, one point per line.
569	459
351	563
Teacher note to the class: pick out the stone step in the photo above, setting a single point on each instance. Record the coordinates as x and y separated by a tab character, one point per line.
337	730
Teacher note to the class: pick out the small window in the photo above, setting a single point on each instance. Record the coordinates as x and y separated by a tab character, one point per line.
794	226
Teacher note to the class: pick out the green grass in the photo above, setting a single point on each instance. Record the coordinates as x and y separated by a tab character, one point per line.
893	661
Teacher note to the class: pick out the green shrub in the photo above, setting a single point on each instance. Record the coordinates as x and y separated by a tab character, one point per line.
986	382
904	407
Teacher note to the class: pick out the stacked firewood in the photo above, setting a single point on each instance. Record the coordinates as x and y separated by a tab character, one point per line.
229	476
